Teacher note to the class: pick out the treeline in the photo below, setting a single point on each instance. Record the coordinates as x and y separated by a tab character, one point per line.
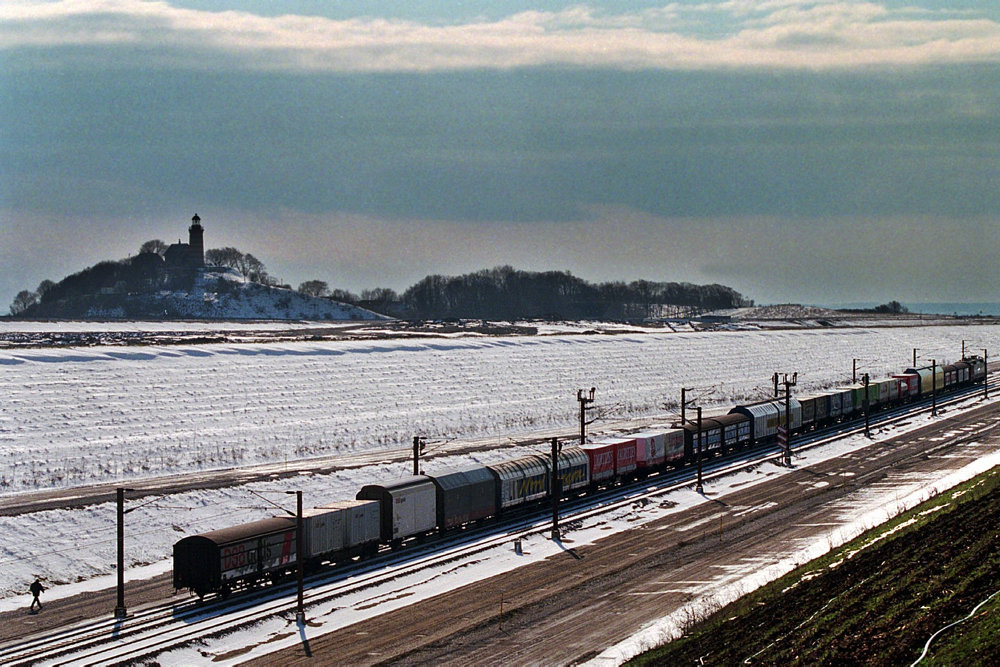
501	293
505	293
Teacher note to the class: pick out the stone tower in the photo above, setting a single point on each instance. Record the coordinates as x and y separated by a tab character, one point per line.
196	239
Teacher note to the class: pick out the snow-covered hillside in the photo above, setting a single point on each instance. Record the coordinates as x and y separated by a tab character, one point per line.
217	293
222	294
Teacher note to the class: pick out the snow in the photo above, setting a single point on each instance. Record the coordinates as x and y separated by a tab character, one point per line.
73	416
105	413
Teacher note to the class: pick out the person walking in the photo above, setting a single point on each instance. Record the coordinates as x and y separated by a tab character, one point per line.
36	589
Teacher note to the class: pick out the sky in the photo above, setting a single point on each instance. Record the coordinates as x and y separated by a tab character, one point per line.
807	152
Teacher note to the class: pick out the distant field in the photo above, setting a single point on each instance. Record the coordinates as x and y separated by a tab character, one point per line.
876	600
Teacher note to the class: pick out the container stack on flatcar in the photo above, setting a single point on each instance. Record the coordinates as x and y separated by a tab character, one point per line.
413	507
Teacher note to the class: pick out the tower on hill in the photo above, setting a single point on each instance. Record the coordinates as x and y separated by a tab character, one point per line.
190	255
196	239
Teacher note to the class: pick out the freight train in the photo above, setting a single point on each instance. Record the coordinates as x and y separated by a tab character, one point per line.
414	507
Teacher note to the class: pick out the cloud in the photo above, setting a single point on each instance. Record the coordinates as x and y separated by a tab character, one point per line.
779	34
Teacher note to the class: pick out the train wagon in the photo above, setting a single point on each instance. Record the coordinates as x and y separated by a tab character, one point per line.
926	384
465	494
854	395
650	450
625	463
521	480
574	469
964	372
221	560
735	430
710	440
342	530
602	460
811	405
766	416
408	507
909	385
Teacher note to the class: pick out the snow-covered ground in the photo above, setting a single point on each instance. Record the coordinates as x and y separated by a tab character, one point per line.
82	415
855	513
72	416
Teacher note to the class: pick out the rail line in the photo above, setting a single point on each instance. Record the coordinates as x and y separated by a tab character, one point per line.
161	627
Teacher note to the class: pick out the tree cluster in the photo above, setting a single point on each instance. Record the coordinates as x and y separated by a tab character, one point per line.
892	308
144	273
504	293
250	267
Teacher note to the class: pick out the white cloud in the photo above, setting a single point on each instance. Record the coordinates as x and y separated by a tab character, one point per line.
776	34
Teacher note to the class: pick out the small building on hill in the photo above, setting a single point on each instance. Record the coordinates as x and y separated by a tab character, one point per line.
190	255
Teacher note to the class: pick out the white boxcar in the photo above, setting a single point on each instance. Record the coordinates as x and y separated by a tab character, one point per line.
408	506
344	526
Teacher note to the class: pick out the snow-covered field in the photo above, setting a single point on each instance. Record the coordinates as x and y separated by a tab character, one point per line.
81	415
73	416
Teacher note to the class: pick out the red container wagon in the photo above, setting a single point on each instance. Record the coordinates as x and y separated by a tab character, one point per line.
221	560
601	456
673	447
625	460
909	385
465	494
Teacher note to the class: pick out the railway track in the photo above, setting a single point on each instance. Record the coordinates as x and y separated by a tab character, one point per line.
154	629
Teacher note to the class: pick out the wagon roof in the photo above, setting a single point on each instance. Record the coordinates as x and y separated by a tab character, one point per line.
247	530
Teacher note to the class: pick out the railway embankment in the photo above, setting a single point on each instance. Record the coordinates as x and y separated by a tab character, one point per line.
875	600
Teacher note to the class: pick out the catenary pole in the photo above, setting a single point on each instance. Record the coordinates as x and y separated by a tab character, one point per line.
120	611
585	402
986	368
556	487
933	387
700	488
868	426
300	611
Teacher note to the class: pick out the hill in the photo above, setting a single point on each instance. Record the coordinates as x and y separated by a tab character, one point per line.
876	600
214	293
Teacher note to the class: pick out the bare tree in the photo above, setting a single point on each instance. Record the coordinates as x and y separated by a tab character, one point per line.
23	301
153	245
44	287
314	288
379	295
228	257
344	296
